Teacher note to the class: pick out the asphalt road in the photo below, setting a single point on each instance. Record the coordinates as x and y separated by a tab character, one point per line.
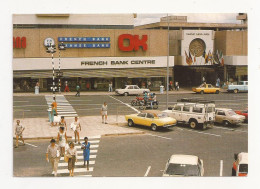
90	105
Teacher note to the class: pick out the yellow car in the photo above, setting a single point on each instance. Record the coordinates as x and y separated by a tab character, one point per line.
151	118
206	88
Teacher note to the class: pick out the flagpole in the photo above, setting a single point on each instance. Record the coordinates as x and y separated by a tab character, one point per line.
167	91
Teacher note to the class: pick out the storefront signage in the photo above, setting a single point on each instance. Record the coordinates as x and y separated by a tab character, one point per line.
19	43
134	42
49	41
86	45
117	62
99	42
84	39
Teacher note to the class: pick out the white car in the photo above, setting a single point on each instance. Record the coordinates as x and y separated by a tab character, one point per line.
131	90
240	165
227	117
184	165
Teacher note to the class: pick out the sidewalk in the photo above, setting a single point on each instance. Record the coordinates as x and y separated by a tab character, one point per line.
181	91
39	128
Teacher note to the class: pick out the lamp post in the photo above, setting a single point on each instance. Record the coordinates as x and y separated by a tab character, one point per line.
168	46
59	74
52	49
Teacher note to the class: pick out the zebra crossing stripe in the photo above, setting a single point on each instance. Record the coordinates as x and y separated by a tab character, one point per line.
65	164
91	146
76	170
81	157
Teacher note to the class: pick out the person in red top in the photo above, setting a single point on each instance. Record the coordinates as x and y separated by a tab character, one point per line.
66	87
88	85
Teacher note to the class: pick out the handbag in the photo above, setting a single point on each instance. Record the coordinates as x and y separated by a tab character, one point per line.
66	157
56	119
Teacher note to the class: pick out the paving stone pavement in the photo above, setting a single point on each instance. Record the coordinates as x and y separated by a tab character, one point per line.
91	126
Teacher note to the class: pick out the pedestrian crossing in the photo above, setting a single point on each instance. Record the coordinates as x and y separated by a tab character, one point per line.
79	169
64	108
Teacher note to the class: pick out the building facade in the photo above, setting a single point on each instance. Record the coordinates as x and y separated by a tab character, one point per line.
93	57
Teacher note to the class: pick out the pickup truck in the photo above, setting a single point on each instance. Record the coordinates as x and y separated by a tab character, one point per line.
241	87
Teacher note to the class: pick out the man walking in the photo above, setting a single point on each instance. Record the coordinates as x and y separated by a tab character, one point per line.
103	112
19	133
110	87
218	82
78	90
53	156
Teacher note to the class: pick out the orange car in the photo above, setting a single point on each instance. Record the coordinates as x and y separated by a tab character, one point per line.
206	88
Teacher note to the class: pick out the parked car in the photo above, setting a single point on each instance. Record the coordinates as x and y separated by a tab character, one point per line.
240	165
244	113
131	90
151	118
242	86
195	112
227	117
206	88
184	165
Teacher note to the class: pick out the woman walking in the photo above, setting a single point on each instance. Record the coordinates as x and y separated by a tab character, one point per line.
76	128
72	155
62	138
53	113
63	123
86	151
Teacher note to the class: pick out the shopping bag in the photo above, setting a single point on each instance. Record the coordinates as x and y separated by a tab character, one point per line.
73	126
57	119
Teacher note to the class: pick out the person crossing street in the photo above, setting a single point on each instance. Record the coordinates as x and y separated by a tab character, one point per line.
103	112
53	156
86	151
78	90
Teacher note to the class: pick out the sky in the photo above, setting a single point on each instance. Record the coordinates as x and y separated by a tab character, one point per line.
191	17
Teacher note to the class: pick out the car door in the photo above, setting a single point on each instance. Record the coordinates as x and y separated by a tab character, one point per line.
220	116
137	90
210	89
176	112
130	90
140	118
149	119
246	86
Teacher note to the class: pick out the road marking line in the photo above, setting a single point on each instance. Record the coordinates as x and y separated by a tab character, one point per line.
125	104
28	144
76	163
76	170
91	146
203	133
148	169
160	136
81	100
81	157
20	101
231	129
221	168
22	110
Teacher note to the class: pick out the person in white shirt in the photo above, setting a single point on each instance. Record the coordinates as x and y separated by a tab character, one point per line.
76	127
110	85
103	112
53	153
19	132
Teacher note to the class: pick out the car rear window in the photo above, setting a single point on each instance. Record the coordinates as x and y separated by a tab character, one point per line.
183	169
141	115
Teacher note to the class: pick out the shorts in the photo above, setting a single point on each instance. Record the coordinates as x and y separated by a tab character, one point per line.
104	113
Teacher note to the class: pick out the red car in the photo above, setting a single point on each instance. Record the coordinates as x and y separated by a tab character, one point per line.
244	113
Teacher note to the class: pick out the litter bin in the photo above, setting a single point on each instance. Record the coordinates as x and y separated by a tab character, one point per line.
37	89
161	89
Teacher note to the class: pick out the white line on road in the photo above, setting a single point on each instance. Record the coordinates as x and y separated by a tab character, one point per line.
28	144
160	136
221	168
147	172
20	101
230	129
203	133
125	104
81	100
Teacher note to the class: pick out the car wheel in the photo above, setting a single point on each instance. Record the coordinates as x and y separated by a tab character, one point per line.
226	123
201	92
193	123
236	91
130	123
154	127
217	92
125	94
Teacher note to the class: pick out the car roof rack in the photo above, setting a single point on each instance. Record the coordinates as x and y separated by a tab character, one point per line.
197	100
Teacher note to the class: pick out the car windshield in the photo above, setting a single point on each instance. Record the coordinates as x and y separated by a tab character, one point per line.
243	168
183	169
231	113
162	115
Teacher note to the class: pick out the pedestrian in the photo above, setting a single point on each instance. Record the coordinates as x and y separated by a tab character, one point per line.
66	87
218	82
53	154
19	132
103	112
63	123
71	153
86	151
149	85
53	113
78	90
95	85
76	127
203	80
170	86
177	86
110	87
62	138
88	86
